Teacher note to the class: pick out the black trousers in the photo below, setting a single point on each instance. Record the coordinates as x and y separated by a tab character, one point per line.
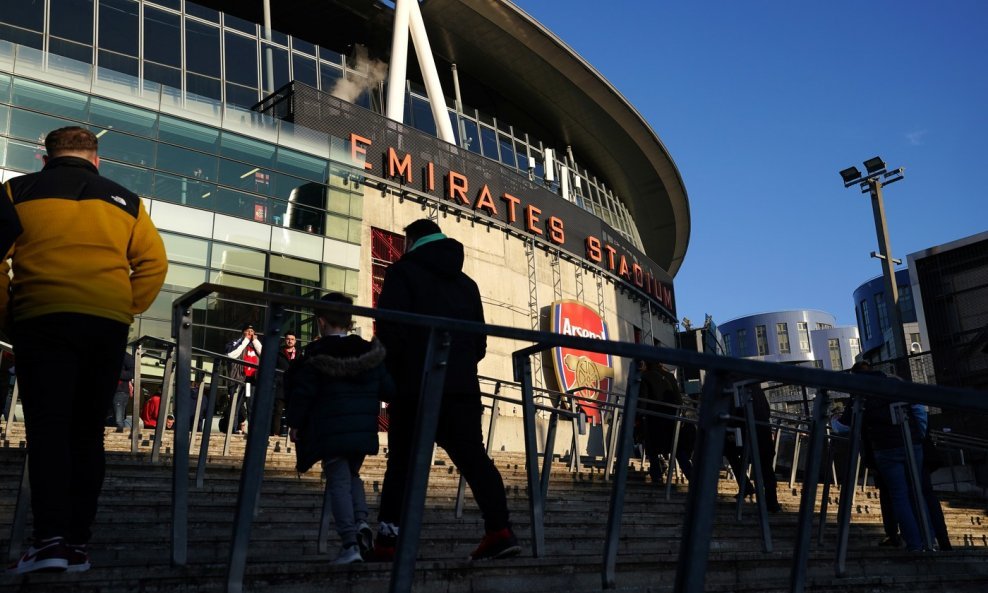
766	451
459	433
67	368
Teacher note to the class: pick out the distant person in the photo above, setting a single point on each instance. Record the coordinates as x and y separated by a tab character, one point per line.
286	356
124	392
333	397
248	349
429	280
85	259
659	393
150	410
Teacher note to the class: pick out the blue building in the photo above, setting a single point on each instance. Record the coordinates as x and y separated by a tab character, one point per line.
871	309
797	337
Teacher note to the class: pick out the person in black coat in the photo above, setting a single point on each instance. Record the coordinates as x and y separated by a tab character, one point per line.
429	280
659	393
766	448
286	356
333	399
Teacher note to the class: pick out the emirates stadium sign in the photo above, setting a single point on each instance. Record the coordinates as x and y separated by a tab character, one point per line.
587	374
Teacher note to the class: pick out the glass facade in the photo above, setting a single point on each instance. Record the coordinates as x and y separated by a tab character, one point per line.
836	363
782	332
761	339
207	56
803	328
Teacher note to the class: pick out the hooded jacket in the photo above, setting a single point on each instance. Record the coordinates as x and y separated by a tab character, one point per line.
332	398
429	280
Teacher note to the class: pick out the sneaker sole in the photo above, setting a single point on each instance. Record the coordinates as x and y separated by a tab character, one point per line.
505	553
50	565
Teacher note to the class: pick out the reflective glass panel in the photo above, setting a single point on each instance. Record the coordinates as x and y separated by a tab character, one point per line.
421	114
235	280
184	190
241	204
20	36
118	63
25	157
72	19
246	149
28	125
186	250
23	13
49	99
337	227
184	133
304	70
118	26
507	151
186	162
173	4
279	58
4	88
232	258
241	96
124	118
180	276
471	135
203	86
202	49
4	118
489	141
245	176
241	59
202	12
162	37
301	165
126	148
303	46
328	76
239	24
136	179
73	51
339	201
163	75
334	279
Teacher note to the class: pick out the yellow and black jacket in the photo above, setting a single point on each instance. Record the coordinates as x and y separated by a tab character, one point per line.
85	245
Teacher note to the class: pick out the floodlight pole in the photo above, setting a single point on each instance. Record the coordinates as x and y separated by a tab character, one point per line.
888	267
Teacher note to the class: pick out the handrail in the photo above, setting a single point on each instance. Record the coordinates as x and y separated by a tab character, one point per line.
714	404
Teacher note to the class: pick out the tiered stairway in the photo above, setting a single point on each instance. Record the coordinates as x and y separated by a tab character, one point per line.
131	547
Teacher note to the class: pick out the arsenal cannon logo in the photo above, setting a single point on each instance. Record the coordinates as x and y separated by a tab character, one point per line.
586	374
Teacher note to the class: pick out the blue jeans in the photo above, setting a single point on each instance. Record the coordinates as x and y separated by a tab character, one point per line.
892	466
346	492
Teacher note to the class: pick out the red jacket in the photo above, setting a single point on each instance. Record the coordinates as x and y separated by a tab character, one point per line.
149	411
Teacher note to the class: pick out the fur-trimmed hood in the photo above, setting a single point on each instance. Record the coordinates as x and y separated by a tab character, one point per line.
344	356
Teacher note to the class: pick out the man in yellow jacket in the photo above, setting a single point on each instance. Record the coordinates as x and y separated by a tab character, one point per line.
86	258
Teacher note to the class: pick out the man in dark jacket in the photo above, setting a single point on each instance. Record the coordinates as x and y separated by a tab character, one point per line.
248	349
286	356
124	391
429	280
333	393
85	258
659	394
762	413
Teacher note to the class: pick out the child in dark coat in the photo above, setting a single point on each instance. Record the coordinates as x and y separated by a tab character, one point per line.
332	396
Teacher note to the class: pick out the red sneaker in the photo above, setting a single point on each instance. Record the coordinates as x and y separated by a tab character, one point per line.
497	544
50	555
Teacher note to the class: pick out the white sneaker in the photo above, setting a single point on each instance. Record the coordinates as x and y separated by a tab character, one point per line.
349	555
365	538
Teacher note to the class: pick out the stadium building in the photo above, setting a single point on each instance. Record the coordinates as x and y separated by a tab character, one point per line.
288	158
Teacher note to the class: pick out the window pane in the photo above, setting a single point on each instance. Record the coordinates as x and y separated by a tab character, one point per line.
73	51
304	70
163	75
231	258
71	19
421	114
185	250
162	37
241	59
202	12
489	141
118	63
245	176
279	57
334	279
20	36
24	157
4	118
184	276
241	204
28	125
126	148
49	99
184	190
173	4
203	86
23	13
295	270
329	76
301	165
507	151
178	131
239	24
246	149
118	26
202	48
186	162
337	227
303	46
136	179
471	135
241	95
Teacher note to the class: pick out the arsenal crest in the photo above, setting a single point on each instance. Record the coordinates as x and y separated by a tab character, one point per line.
587	374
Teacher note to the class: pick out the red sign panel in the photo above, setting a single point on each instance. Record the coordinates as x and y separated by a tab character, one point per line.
587	374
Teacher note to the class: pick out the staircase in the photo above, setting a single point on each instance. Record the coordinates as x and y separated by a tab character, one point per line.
131	547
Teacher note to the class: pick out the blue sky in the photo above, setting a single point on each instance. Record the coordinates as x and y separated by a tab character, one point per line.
761	103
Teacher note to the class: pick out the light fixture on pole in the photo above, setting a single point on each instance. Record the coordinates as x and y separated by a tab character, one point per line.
877	176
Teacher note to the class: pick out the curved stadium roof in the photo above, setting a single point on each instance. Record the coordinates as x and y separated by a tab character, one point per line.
528	66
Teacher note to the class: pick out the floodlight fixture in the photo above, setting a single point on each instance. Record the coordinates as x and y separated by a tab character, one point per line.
850	175
874	165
